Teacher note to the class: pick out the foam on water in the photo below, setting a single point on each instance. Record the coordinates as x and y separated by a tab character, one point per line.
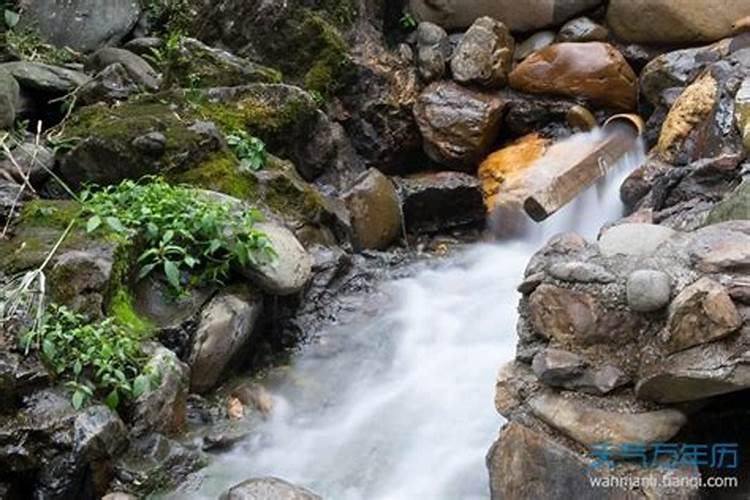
404	410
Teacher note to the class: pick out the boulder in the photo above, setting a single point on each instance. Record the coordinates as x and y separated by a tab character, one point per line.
742	112
648	290
45	78
35	161
137	68
10	99
375	211
163	408
736	206
590	426
267	489
224	330
458	124
582	29
702	312
433	50
723	247
555	366
580	272
535	42
633	239
593	71
528	16
290	270
673	21
110	85
441	201
484	55
83	25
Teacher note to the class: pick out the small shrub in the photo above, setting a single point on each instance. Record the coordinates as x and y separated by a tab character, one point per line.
103	358
407	22
192	239
249	150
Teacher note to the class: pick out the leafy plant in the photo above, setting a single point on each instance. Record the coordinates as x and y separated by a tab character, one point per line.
170	15
407	21
249	150
103	358
29	46
191	239
170	57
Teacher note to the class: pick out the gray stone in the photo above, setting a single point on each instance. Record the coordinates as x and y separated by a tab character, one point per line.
633	239
555	366
721	247
582	29
290	270
110	85
742	112
590	425
648	290
735	206
375	211
433	50
45	77
485	54
139	70
10	99
143	46
269	488
580	272
83	25
224	329
535	42
530	283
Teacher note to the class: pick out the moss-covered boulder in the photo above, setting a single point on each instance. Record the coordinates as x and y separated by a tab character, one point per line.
285	117
303	39
198	65
140	137
88	273
736	206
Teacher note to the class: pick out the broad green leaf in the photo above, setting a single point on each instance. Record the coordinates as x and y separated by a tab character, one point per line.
48	348
115	224
11	18
112	400
141	385
93	223
172	273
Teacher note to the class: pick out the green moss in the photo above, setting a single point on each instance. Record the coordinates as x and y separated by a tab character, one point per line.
50	213
340	12
122	310
289	198
221	173
331	65
736	206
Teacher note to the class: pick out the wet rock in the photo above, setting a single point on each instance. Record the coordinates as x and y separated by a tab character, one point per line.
485	54
673	21
580	272
582	29
742	112
702	312
531	282
162	409
527	114
433	50
529	16
45	78
514	381
441	201
556	366
154	463
34	160
267	488
99	435
226	324
633	239
504	173
562	314
119	496
535	42
648	290
375	210
290	270
83	25
110	85
136	67
458	124
255	396
736	206
593	71
692	108
721	247
10	99
663	79
590	425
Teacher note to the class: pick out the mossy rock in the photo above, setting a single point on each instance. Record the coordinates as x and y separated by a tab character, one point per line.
203	66
140	137
736	206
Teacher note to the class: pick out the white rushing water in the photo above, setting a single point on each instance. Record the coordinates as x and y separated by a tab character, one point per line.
404	408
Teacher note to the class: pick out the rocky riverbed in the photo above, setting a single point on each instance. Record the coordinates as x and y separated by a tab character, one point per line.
191	190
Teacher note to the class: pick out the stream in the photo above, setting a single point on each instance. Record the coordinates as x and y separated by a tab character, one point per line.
403	408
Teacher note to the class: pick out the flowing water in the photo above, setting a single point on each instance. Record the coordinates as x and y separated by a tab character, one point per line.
404	408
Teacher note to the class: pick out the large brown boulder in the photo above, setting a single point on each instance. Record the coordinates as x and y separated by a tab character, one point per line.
518	16
593	71
674	21
458	124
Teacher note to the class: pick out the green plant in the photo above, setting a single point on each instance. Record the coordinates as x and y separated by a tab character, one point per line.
170	15
249	150
192	239
102	358
407	21
29	46
170	57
